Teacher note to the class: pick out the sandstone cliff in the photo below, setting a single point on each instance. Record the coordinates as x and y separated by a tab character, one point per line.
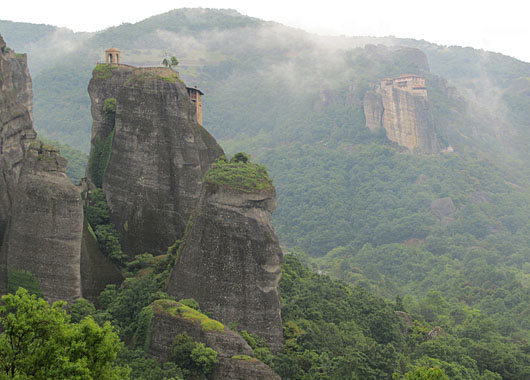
148	153
45	229
41	213
236	358
16	132
230	259
404	113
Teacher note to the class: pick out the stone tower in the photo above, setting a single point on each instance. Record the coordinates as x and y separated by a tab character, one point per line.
112	56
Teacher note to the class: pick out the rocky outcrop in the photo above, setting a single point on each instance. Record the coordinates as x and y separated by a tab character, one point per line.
435	333
45	229
444	209
16	133
404	113
47	235
148	153
41	213
230	259
16	124
236	358
373	110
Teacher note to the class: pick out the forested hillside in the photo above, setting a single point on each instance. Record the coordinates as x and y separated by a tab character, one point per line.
352	204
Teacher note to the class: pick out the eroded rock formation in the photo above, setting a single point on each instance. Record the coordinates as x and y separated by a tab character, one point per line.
41	212
16	124
16	133
230	260
45	229
400	106
157	154
236	358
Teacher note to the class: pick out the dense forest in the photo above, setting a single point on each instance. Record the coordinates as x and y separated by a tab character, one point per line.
401	289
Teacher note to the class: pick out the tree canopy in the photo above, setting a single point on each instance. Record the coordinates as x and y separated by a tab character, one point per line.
39	342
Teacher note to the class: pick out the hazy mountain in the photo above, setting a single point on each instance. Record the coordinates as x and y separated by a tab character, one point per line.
295	102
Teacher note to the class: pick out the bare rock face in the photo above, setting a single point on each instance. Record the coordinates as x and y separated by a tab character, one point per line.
444	209
435	333
16	133
401	107
45	229
230	260
16	124
41	214
157	154
373	110
236	358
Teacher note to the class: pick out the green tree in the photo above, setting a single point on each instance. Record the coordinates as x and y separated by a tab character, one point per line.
171	62
424	373
240	157
204	358
193	356
39	342
81	308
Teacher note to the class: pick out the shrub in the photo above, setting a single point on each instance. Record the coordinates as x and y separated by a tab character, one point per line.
239	174
109	106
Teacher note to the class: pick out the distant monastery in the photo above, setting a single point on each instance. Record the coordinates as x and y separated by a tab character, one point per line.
407	82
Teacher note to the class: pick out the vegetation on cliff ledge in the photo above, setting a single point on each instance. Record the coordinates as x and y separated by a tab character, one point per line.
179	310
103	71
239	174
100	158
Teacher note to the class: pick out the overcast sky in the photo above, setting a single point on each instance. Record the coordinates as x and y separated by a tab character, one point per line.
501	26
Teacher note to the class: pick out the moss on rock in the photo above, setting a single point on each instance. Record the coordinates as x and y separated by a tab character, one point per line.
103	71
243	176
178	310
245	358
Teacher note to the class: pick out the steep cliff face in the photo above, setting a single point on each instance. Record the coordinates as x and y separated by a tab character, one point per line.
16	132
405	114
236	358
16	124
230	259
45	229
373	110
41	214
148	153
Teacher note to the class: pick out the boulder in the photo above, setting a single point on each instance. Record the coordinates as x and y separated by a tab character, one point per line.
236	358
